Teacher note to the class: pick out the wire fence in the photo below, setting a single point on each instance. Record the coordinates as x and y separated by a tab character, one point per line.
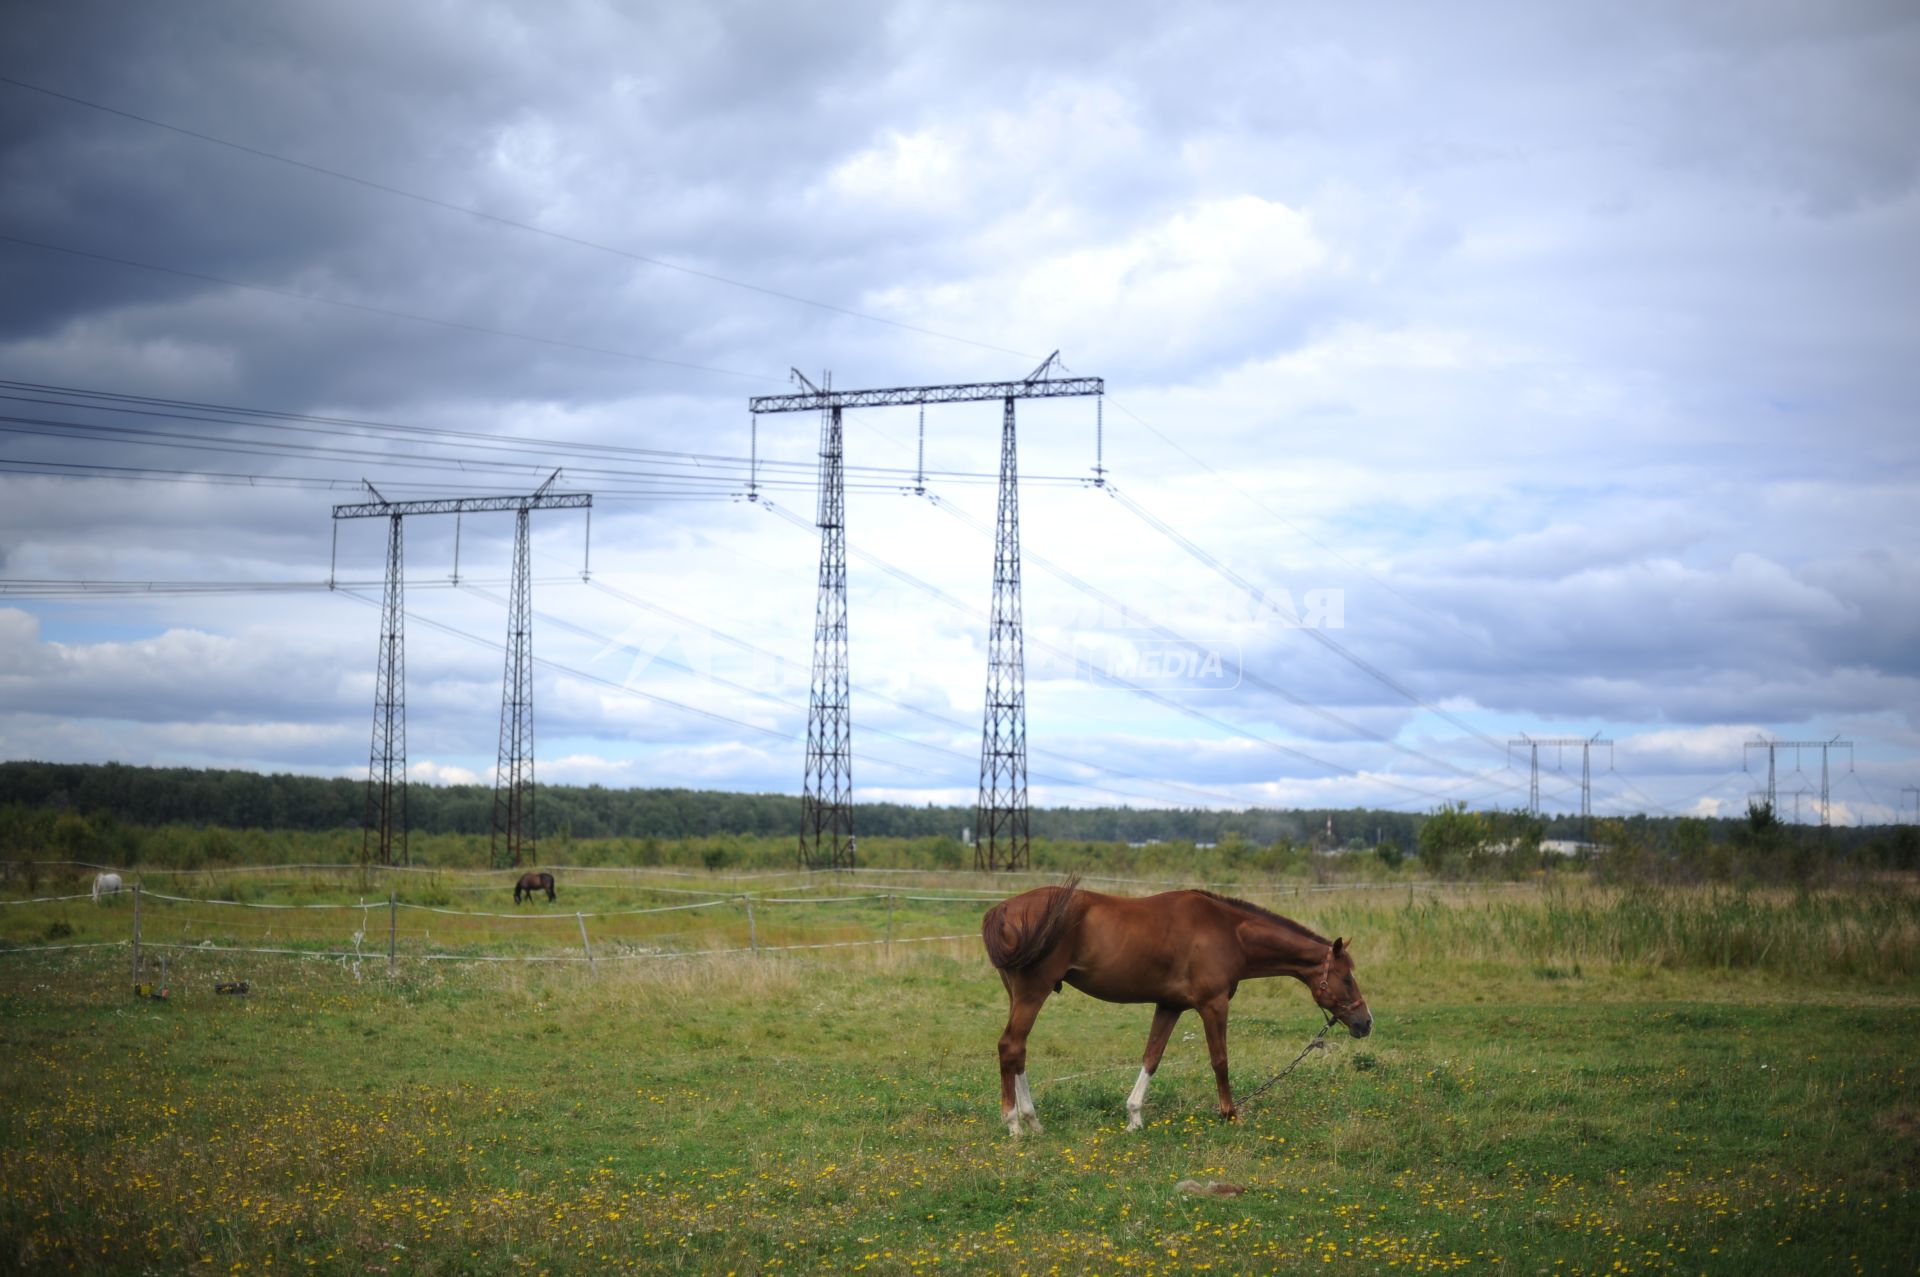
396	930
423	917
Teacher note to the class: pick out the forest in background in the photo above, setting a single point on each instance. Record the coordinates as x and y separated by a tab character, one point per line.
120	815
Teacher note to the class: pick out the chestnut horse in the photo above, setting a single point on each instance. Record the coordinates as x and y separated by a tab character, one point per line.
531	884
1180	950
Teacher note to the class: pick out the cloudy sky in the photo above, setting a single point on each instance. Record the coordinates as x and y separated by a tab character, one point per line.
1472	371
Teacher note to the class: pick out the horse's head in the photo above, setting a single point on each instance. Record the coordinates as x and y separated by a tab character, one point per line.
1338	993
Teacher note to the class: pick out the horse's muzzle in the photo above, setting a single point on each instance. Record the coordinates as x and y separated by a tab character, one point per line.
1360	1026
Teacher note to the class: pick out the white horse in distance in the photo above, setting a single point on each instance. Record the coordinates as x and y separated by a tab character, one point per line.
105	885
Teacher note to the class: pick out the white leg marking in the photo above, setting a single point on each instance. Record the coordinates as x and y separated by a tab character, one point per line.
1023	1103
1137	1101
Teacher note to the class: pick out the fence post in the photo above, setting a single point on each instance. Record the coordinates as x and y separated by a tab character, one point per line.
393	926
582	920
753	933
136	933
889	926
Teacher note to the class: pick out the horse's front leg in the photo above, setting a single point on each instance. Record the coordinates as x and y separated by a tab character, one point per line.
1016	1101
1213	1014
1164	1017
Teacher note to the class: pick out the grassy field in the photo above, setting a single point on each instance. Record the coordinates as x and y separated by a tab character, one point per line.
1563	1081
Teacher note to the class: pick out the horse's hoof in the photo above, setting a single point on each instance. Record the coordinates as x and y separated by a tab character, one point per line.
1230	1115
1134	1122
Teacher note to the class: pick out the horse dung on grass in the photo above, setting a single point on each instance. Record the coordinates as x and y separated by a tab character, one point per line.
1180	950
532	883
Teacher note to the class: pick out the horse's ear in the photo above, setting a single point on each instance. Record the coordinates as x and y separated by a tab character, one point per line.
1339	947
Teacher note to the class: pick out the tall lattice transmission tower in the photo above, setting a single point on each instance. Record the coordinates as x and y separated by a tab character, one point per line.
385	836
1773	748
1002	819
514	836
826	795
1586	745
1002	814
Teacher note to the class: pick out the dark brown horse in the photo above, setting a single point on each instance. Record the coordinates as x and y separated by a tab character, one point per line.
1181	951
531	884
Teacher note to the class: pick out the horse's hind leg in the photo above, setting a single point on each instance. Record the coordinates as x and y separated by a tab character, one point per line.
1164	1017
1025	999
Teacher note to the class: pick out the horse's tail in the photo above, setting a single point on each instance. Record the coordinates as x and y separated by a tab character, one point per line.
1015	941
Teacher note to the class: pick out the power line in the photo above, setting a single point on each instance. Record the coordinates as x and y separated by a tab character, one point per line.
1251	676
714	468
916	710
319	483
84	588
1115	680
783	703
1372	671
1281	519
504	221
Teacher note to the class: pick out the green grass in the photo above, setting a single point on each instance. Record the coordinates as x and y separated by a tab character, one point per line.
1623	1085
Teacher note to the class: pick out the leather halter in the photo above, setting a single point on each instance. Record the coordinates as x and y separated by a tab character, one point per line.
1339	1010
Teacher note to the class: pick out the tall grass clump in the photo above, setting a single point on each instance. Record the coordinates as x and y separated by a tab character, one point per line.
1869	933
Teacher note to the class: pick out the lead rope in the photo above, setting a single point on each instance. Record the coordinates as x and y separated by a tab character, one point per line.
1316	1043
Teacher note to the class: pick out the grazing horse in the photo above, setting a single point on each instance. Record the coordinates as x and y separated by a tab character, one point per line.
1180	950
105	885
531	884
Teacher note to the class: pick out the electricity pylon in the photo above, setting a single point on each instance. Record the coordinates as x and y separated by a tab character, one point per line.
386	817
1586	744
1002	816
1773	747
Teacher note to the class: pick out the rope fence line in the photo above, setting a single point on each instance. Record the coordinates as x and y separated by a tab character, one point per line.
207	946
150	894
526	917
225	931
811	877
264	923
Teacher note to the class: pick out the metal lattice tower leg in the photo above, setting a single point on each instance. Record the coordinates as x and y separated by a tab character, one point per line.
1586	794
513	826
384	838
1002	816
826	799
1533	782
1826	809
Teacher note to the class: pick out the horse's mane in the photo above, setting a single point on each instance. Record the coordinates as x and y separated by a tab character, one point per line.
1247	906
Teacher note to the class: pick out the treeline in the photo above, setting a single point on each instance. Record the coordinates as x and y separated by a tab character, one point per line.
250	800
1455	842
115	814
